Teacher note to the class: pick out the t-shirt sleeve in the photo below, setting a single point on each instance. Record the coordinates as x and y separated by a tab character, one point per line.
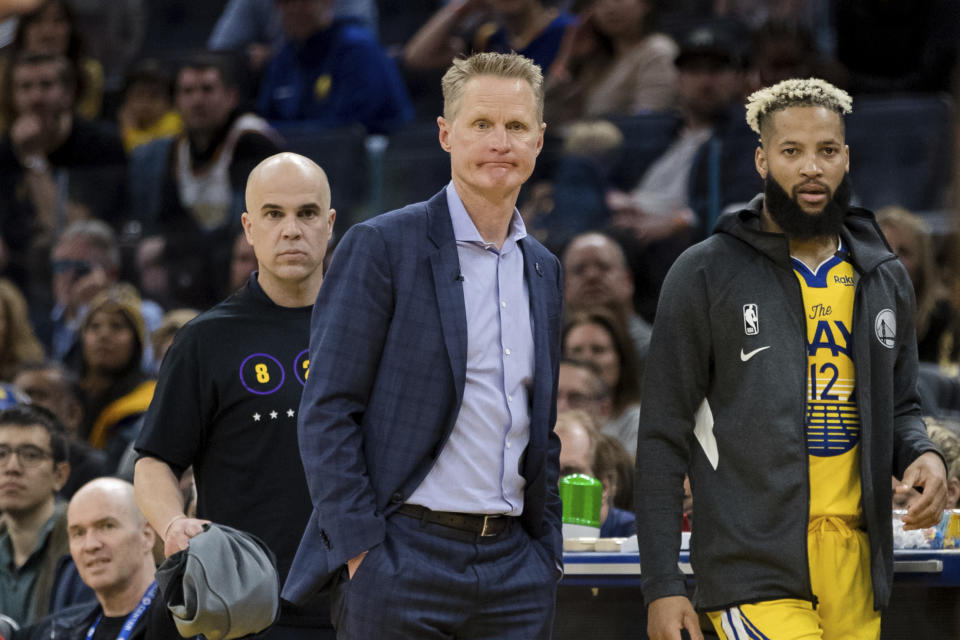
173	427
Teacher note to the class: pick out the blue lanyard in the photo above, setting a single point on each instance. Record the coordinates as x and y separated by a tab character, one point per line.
132	619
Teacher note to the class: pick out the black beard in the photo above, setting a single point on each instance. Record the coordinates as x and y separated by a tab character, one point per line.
796	223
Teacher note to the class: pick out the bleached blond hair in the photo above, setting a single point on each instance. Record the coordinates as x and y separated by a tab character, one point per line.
501	65
796	92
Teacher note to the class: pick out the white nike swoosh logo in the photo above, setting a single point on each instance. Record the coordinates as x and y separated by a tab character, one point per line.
746	356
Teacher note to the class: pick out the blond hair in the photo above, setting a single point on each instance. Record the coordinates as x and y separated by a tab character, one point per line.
796	92
948	443
590	138
500	65
170	324
20	344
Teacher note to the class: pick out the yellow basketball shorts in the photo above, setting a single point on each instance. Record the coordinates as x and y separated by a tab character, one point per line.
839	558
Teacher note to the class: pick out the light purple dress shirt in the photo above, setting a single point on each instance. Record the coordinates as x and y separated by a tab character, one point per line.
478	470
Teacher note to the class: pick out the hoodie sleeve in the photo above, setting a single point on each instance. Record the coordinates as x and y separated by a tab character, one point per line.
909	432
674	385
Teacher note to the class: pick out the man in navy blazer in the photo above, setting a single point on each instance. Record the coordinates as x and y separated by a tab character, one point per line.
426	423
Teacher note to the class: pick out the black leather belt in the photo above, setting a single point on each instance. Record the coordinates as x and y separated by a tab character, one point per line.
483	525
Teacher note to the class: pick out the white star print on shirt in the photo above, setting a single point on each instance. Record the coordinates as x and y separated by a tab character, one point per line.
256	417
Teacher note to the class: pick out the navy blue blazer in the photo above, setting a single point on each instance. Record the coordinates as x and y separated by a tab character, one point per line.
388	353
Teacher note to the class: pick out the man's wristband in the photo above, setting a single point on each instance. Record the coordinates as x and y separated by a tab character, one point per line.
166	529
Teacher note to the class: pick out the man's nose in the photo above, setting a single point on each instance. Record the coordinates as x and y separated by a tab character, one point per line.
91	541
499	139
12	464
810	167
291	228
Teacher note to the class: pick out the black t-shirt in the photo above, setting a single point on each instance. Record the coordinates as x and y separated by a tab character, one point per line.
156	623
109	628
227	403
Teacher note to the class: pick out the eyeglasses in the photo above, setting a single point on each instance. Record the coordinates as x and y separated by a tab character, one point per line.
78	267
577	399
27	454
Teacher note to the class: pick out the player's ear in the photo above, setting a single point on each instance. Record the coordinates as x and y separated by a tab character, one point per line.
444	133
246	223
760	161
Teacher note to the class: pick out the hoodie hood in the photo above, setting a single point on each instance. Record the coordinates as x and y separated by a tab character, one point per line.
861	236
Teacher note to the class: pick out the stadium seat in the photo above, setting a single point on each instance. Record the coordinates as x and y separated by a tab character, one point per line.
900	150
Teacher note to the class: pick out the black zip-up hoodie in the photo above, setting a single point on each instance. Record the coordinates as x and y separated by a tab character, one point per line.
749	473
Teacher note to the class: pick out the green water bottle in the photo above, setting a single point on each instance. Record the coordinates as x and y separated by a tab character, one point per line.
581	496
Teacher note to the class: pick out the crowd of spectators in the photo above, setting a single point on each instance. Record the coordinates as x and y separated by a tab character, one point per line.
123	166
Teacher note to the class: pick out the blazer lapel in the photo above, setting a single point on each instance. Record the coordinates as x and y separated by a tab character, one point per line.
448	284
540	394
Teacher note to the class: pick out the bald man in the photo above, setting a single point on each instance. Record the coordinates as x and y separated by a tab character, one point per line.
112	546
595	273
229	390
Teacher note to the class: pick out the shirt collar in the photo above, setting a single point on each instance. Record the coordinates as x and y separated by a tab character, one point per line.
464	230
6	545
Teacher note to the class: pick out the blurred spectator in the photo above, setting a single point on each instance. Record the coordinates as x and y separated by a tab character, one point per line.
939	391
780	50
596	274
613	63
18	343
85	261
52	30
708	166
580	388
113	33
112	553
117	391
33	534
331	73
10	8
147	111
580	444
254	26
613	461
172	322
195	181
243	262
528	27
52	165
50	386
895	46
153	276
575	200
909	237
949	444
597	335
189	189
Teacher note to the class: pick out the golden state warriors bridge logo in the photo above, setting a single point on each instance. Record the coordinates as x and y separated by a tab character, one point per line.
885	327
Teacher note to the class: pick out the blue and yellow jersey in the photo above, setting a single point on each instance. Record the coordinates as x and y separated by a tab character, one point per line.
832	418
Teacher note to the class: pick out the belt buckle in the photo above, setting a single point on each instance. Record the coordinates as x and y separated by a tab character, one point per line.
484	532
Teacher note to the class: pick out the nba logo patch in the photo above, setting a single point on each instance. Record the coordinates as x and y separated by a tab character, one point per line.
751	321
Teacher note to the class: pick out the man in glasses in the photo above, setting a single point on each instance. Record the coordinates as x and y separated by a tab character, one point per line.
33	537
84	262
